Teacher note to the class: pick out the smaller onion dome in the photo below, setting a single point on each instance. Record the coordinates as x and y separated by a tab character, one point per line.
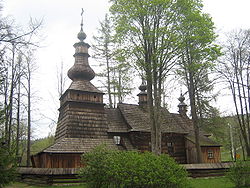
143	86
81	35
182	106
181	99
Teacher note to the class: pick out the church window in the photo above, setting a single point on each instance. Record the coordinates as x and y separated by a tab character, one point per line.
210	154
170	146
117	140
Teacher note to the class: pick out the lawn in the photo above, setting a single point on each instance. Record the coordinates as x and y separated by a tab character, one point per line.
217	182
23	185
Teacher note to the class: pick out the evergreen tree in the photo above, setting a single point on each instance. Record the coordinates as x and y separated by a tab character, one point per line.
114	67
7	164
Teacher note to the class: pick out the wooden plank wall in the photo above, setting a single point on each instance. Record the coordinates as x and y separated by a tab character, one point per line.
191	152
45	160
80	120
141	141
216	153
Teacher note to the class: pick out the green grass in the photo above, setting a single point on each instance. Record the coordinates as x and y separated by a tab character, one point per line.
216	182
23	185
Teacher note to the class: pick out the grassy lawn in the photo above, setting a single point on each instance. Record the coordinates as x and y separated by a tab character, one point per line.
217	182
23	185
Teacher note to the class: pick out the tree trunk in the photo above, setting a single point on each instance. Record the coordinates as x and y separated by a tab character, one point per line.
29	114
109	84
194	117
18	114
11	96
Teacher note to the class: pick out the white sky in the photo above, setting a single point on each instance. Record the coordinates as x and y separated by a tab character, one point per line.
62	23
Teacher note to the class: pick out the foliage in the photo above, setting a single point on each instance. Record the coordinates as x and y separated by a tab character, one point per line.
239	173
147	28
40	144
197	57
113	168
7	165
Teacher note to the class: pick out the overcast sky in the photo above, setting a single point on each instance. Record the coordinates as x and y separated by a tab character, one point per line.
61	23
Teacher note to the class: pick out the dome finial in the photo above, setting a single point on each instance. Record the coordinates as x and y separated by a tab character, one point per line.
81	35
82	19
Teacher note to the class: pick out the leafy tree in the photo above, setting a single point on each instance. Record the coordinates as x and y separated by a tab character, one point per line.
198	55
147	30
234	67
239	174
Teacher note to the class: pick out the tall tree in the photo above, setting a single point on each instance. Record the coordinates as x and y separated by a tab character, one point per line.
147	28
234	67
198	56
115	69
18	121
30	68
103	51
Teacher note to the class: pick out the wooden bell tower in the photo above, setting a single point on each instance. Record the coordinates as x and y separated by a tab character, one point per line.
81	106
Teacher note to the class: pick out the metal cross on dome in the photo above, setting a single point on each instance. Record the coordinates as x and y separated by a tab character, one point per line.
82	17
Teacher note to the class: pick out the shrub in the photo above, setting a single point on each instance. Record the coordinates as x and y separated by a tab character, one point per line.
130	169
239	173
7	166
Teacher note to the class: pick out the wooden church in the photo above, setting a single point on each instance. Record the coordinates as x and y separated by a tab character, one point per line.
85	123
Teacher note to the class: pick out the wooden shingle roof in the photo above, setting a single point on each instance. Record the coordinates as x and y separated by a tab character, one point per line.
204	141
78	145
84	85
116	123
138	120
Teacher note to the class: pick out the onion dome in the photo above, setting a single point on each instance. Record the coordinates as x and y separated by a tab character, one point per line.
182	105
81	69
81	72
181	99
143	86
81	35
143	95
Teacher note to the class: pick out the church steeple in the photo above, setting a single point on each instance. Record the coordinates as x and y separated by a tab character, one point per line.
81	69
81	99
182	105
143	95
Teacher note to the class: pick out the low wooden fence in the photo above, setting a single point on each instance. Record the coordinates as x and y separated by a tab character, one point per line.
48	176
207	169
56	176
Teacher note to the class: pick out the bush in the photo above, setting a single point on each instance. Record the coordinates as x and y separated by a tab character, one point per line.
7	166
239	173
130	169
